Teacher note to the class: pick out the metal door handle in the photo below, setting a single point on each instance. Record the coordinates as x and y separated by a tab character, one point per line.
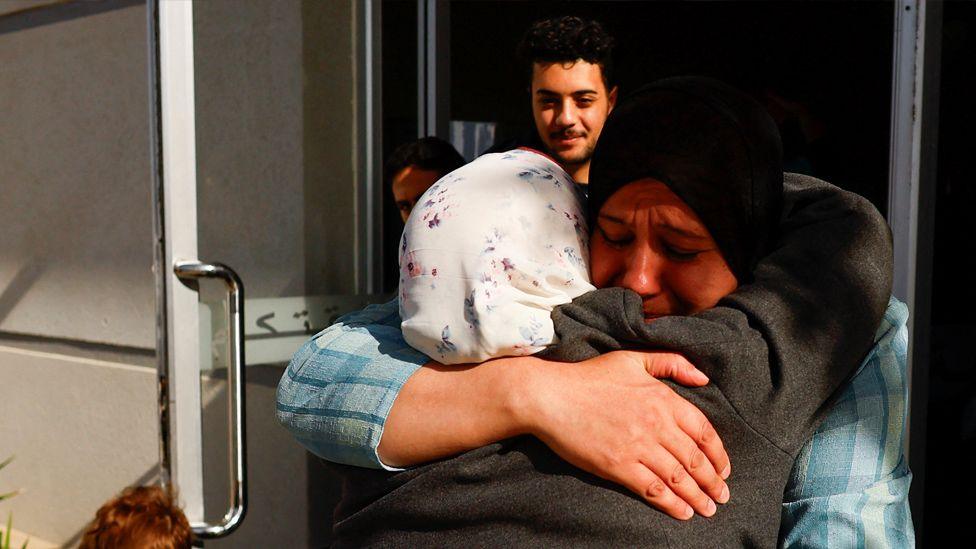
235	377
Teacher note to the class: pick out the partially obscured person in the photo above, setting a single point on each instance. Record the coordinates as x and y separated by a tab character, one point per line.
415	166
143	517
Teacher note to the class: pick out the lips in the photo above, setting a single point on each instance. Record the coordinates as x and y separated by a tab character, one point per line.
566	140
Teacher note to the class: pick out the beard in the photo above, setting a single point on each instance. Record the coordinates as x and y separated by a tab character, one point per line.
574	156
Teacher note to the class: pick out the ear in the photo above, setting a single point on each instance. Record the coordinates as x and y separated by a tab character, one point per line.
612	98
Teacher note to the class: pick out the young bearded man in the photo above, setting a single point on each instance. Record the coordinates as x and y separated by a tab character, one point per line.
570	67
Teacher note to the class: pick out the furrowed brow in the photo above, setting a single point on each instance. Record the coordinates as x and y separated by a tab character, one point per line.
687	233
611	219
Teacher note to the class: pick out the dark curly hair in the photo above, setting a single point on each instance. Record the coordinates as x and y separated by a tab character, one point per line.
566	39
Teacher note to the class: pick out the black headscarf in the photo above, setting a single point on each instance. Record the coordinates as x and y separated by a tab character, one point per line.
713	146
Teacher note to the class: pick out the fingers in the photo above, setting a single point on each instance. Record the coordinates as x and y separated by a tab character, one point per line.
673	366
698	468
676	477
649	486
696	425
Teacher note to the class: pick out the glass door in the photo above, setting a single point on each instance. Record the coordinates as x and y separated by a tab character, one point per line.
271	229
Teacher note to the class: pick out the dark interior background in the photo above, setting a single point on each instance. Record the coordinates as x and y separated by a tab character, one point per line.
399	73
951	425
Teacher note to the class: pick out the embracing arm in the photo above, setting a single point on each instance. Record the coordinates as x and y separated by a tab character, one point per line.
337	398
602	416
812	311
336	393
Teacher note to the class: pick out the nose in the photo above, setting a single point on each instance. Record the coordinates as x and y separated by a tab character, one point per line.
642	272
567	116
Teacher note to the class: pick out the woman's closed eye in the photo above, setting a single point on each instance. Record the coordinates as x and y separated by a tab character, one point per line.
676	253
616	239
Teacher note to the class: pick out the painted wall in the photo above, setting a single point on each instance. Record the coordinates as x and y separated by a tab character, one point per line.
76	229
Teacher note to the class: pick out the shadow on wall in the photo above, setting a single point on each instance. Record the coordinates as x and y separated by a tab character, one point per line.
16	289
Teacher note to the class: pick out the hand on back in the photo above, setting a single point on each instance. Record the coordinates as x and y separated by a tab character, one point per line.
610	416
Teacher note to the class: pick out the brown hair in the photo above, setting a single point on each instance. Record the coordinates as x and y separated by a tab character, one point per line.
140	517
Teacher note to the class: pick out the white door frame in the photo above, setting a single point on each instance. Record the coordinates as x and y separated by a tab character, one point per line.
174	152
911	189
173	139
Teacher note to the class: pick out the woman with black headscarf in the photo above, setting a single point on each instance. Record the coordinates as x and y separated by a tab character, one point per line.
714	147
687	172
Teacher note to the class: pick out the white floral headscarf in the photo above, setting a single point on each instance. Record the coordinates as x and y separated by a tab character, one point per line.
487	253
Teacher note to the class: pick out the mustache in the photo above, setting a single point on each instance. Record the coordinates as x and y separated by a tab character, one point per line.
567	134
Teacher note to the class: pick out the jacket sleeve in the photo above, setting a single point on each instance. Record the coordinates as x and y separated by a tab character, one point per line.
849	485
337	392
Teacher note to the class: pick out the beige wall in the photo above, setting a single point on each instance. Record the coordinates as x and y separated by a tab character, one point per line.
12	6
81	430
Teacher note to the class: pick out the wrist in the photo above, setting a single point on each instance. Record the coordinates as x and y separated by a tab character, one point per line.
526	381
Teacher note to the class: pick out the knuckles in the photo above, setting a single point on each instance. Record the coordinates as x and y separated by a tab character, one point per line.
612	461
707	432
655	489
678	474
